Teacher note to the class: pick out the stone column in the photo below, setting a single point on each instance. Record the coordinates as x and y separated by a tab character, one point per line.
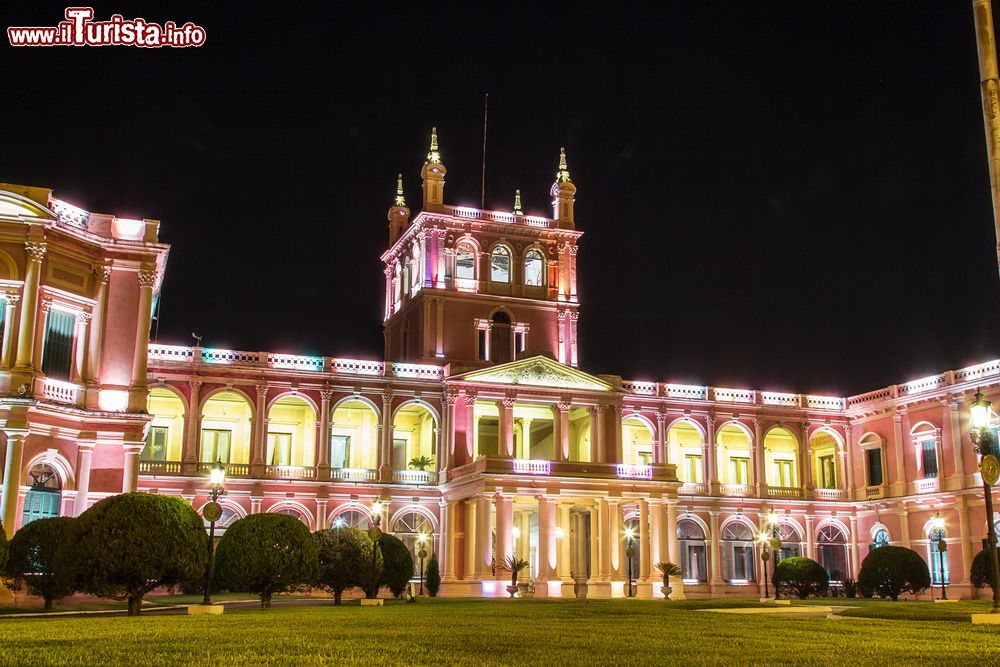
385	445
96	340
6	358
615	436
806	463
563	454
645	566
258	440
12	480
562	563
952	411
711	462
546	539
321	504
80	368
615	538
897	486
43	320
84	454
255	504
605	537
759	464
963	532
471	540
470	425
504	528
34	252
525	451
904	528
130	469
138	390
523	547
192	434
484	551
323	446
448	541
448	460
598	448
855	564
672	549
715	566
595	544
848	457
506	444
659	446
810	538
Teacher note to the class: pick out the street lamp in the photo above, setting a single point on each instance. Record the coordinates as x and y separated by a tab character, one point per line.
629	553
937	524
769	538
422	541
765	540
212	511
375	534
989	467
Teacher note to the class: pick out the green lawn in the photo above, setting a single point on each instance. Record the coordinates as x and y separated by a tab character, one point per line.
477	632
34	605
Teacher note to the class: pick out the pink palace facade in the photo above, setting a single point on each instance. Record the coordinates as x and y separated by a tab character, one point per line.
524	452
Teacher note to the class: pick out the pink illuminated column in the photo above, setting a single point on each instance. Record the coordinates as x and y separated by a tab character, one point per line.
385	442
715	558
598	452
506	406
952	414
130	470
574	318
80	348
673	554
855	565
35	252
12	479
563	407
100	310
321	504
6	359
137	391
572	274
759	465
471	557
193	433
708	454
849	460
563	544
605	537
84	454
448	540
258	441
615	434
657	532
561	328
546	539
323	446
504	528
387	271
484	551
644	541
470	424
899	482
43	320
807	460
810	537
615	540
660	449
447	461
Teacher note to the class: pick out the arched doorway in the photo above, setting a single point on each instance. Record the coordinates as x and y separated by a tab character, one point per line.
44	496
408	527
414	431
354	435
291	433
691	541
225	428
831	552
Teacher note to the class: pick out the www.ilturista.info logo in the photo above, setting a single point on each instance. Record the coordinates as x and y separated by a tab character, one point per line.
79	29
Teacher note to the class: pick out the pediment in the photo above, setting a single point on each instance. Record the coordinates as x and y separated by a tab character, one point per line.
537	372
14	205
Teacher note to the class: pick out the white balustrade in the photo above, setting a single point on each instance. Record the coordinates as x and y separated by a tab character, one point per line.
531	467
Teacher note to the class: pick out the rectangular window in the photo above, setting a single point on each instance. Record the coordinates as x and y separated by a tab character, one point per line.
399	454
215	445
644	458
828	472
518	341
873	458
783	473
57	350
340	451
739	470
482	344
928	452
692	468
156	445
279	449
3	317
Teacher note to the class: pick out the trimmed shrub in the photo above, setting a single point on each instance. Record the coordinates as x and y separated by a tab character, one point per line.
3	544
432	577
397	565
802	576
127	545
345	560
31	562
982	570
266	554
850	587
891	571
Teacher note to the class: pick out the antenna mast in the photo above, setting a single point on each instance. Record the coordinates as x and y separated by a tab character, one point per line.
482	190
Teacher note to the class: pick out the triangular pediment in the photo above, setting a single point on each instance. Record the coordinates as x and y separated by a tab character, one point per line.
537	372
16	206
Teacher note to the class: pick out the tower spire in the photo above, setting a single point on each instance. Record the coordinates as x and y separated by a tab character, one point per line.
563	193
562	176
517	203
399	214
434	156
432	174
400	199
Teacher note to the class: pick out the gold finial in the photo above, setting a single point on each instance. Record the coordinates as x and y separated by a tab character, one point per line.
434	156
562	176
400	199
517	203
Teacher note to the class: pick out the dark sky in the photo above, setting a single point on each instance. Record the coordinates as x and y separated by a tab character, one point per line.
785	195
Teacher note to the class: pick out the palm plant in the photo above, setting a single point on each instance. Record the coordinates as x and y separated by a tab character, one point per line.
668	569
421	462
514	565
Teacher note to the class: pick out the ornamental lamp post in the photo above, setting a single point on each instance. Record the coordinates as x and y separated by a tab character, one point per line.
937	523
765	541
213	512
983	440
375	533
422	554
629	553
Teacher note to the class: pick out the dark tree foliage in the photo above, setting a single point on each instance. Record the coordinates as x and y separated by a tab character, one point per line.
31	562
397	565
802	576
890	571
3	544
982	570
432	578
345	560
266	554
127	545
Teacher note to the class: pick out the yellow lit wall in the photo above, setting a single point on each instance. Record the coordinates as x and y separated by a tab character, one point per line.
357	420
168	412
636	439
415	425
683	439
733	443
780	445
229	411
293	416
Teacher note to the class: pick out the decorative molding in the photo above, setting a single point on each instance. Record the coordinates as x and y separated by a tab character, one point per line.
146	278
35	250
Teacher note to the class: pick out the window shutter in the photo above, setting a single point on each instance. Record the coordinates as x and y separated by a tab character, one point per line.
57	353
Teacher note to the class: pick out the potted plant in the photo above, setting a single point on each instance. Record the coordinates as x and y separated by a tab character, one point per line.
579	585
421	463
514	565
667	569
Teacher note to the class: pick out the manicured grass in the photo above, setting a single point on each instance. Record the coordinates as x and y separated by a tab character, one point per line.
34	605
491	632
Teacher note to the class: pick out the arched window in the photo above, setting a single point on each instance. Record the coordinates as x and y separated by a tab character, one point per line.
880	538
633	525
44	497
229	515
408	528
534	268
294	513
500	338
791	542
691	541
500	265
831	549
352	519
939	558
465	261
737	552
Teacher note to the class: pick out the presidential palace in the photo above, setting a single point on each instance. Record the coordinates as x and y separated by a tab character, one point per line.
480	427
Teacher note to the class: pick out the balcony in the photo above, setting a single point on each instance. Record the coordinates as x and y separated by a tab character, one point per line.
784	492
353	474
415	477
499	465
290	472
160	467
58	391
830	494
737	490
692	489
232	469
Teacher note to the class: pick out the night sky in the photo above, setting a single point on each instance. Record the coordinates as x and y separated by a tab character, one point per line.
783	195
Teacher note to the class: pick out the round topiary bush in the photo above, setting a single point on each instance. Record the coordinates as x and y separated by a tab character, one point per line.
802	576
3	544
982	569
345	560
266	554
127	545
397	565
31	562
891	571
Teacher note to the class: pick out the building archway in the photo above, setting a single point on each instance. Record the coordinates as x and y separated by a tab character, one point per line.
414	436
733	441
637	440
165	439
354	434
226	418
44	497
291	432
685	438
781	455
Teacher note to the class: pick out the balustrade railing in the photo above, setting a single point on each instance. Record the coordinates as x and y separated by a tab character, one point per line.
830	494
784	492
737	490
419	477
160	467
290	472
354	474
58	391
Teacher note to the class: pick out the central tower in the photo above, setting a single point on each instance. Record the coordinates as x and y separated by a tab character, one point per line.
470	286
